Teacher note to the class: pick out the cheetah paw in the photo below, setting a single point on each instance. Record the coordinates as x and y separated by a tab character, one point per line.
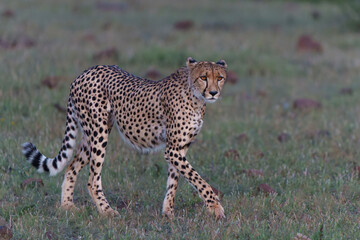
168	214
110	213
218	211
69	206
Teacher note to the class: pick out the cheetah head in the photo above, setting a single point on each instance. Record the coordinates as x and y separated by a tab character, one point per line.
207	78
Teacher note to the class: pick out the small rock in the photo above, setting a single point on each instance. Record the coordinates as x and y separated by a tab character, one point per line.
242	138
25	42
263	187
89	37
107	53
232	153
305	43
305	103
5	230
7	13
20	42
261	93
260	154
32	180
283	137
153	74
232	77
184	25
5	233
346	91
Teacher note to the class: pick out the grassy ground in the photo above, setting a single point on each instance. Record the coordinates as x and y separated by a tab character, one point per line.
313	174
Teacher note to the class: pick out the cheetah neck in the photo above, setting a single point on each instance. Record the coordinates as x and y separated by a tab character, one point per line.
196	96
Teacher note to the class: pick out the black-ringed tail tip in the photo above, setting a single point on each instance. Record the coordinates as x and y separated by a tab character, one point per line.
34	157
42	164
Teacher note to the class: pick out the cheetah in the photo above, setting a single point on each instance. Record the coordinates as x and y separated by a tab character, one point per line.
149	115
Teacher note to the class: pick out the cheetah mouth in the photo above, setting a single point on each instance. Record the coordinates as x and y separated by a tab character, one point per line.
211	100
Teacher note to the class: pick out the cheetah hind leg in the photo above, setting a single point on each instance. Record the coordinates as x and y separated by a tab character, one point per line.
80	160
98	148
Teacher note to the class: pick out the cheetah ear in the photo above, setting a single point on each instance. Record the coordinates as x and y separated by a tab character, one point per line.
190	62
222	63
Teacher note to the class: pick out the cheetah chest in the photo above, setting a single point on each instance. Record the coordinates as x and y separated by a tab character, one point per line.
196	123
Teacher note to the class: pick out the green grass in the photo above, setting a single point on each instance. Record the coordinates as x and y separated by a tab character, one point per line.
318	193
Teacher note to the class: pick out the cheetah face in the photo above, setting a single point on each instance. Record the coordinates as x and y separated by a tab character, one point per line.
207	78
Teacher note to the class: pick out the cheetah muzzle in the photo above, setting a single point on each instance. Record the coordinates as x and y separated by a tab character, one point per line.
150	115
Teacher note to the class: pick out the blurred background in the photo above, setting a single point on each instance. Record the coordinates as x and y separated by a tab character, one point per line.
281	146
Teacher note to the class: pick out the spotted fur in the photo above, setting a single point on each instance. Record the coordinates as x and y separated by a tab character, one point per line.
150	115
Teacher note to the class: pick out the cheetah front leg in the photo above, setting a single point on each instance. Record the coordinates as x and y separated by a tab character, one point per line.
177	159
171	187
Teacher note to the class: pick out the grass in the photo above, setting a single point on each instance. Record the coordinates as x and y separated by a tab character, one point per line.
317	187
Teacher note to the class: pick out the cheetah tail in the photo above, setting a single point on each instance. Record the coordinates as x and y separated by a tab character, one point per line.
54	165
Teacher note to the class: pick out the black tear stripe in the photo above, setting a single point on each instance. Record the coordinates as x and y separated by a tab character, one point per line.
205	88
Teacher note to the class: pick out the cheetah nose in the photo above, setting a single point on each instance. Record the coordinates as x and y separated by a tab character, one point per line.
213	93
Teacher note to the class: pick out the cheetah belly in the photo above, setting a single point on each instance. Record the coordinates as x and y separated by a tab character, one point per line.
147	139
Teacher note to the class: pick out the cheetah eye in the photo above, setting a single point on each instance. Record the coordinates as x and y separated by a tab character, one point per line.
204	78
219	78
